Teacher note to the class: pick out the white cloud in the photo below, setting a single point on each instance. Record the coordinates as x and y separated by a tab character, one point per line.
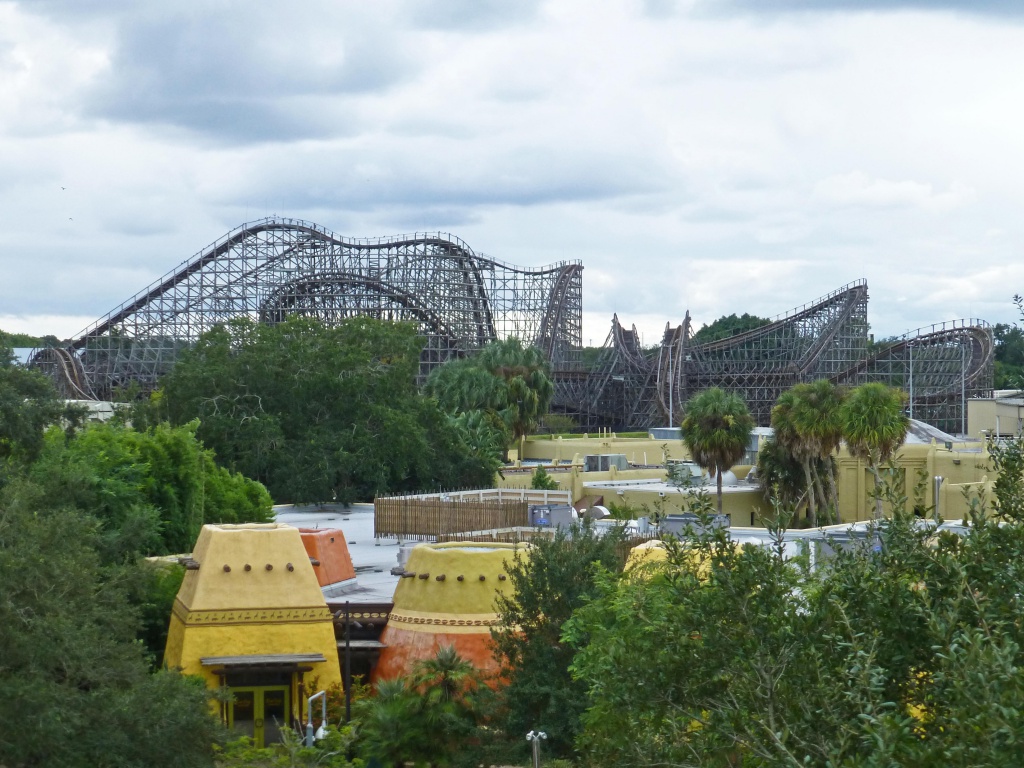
858	189
737	161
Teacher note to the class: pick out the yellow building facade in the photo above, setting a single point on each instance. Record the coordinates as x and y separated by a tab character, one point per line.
250	616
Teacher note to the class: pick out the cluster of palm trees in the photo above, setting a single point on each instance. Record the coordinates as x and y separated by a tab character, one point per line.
810	421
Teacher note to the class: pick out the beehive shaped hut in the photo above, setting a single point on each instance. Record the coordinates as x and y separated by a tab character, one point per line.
645	554
651	556
446	597
250	615
331	560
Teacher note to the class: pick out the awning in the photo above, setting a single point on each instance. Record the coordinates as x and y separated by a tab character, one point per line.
290	661
362	645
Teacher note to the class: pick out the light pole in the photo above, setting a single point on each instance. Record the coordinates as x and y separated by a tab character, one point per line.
322	730
963	390
534	738
910	348
348	661
670	386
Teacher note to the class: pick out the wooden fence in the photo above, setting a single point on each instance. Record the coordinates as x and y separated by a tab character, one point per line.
437	518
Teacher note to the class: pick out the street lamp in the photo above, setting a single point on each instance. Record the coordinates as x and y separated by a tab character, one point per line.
534	738
963	389
322	730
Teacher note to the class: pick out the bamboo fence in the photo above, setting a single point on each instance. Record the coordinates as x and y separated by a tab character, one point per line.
444	519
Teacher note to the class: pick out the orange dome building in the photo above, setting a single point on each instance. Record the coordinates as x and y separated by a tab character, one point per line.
446	597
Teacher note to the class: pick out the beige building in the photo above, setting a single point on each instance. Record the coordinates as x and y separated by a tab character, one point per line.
998	416
963	465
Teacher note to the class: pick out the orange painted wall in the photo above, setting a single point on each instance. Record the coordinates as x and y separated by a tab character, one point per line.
329	547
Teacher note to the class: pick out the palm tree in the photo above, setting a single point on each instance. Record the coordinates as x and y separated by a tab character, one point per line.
816	416
780	474
716	429
508	382
446	676
790	440
528	385
392	728
874	426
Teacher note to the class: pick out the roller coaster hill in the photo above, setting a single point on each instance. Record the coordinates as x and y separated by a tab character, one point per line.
461	301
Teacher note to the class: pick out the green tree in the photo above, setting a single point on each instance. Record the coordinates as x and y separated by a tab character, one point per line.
28	404
152	491
24	340
716	430
874	427
807	424
506	380
1009	351
74	686
548	583
818	420
780	474
1009	356
320	413
542	481
425	718
905	653
728	325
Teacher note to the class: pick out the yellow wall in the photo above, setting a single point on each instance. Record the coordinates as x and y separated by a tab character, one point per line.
638	450
237	612
960	468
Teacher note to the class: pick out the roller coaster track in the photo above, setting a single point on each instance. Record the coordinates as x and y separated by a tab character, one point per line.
826	338
268	269
559	303
66	369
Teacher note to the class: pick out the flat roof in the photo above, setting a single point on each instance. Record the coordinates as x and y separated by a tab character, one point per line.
372	558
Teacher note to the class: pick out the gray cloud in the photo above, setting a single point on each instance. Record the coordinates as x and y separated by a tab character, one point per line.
259	75
448	176
470	14
690	157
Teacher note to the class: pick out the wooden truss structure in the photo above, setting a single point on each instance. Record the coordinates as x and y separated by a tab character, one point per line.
461	301
941	366
275	267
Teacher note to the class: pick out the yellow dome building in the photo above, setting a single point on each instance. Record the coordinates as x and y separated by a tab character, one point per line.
250	616
446	597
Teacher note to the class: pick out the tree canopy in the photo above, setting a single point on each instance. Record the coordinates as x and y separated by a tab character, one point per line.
28	404
728	325
509	384
150	490
320	413
716	430
554	579
904	649
1009	353
75	689
808	425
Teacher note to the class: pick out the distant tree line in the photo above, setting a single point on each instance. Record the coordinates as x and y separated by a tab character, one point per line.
16	340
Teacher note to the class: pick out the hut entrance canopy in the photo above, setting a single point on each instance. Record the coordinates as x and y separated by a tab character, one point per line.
261	687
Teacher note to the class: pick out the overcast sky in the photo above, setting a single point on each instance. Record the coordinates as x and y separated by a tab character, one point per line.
713	155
